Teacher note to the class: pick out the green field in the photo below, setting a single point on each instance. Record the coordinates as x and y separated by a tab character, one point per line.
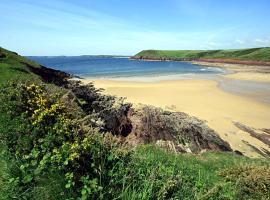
253	54
52	147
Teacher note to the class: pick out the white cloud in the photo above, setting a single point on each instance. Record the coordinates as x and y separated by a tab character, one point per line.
263	42
238	41
259	40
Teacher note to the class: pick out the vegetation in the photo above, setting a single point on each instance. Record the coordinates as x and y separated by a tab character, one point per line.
61	143
254	54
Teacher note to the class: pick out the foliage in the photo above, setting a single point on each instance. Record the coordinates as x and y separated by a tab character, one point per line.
251	181
13	66
51	139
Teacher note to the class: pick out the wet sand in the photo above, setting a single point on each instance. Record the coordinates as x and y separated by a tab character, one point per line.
205	100
250	76
242	72
258	91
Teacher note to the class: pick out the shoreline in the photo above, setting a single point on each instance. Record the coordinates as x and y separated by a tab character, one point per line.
237	79
235	71
204	99
155	78
242	72
207	60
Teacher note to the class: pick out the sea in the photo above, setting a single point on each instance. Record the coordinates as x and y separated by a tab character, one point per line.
124	68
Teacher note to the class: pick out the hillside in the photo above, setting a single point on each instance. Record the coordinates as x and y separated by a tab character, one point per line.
16	67
245	56
61	139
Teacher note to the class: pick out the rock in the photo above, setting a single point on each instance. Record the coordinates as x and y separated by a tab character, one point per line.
175	131
170	146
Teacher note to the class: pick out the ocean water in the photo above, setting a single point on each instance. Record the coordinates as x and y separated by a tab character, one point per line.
96	67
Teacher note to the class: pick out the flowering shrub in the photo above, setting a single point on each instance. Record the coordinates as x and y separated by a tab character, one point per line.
53	139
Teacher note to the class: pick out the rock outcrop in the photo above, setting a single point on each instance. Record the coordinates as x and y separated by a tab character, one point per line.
175	131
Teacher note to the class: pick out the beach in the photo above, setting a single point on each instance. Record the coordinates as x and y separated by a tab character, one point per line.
239	119
242	72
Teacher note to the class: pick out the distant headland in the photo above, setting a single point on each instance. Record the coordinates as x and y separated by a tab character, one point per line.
251	56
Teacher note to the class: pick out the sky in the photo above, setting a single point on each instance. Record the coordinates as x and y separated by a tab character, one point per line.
125	27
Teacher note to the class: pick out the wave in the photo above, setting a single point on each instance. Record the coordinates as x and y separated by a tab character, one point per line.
152	78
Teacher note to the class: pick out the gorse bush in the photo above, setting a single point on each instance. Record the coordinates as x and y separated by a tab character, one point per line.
52	139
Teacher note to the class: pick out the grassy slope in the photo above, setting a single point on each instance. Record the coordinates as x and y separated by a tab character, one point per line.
199	173
13	66
254	54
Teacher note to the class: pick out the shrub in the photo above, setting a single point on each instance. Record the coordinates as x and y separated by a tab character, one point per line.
52	139
251	181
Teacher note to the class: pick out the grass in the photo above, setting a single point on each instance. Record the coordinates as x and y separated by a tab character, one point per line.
13	67
253	54
152	173
157	174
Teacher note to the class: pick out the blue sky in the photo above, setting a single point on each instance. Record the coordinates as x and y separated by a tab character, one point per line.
124	27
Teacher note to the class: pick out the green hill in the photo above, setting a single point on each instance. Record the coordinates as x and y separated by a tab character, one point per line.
60	139
253	54
16	67
13	65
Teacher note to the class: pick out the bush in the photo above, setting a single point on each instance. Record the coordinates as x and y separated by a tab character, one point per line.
51	139
251	181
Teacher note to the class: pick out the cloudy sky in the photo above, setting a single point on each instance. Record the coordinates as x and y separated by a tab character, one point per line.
124	27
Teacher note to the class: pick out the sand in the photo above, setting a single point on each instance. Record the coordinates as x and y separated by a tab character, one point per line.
242	72
250	76
202	99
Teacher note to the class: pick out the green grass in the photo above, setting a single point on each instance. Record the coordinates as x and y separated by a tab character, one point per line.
14	67
253	54
151	173
156	174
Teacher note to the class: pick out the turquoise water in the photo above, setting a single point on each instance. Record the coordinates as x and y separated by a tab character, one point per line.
94	67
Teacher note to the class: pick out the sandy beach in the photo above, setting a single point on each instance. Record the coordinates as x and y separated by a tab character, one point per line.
222	110
242	72
250	76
